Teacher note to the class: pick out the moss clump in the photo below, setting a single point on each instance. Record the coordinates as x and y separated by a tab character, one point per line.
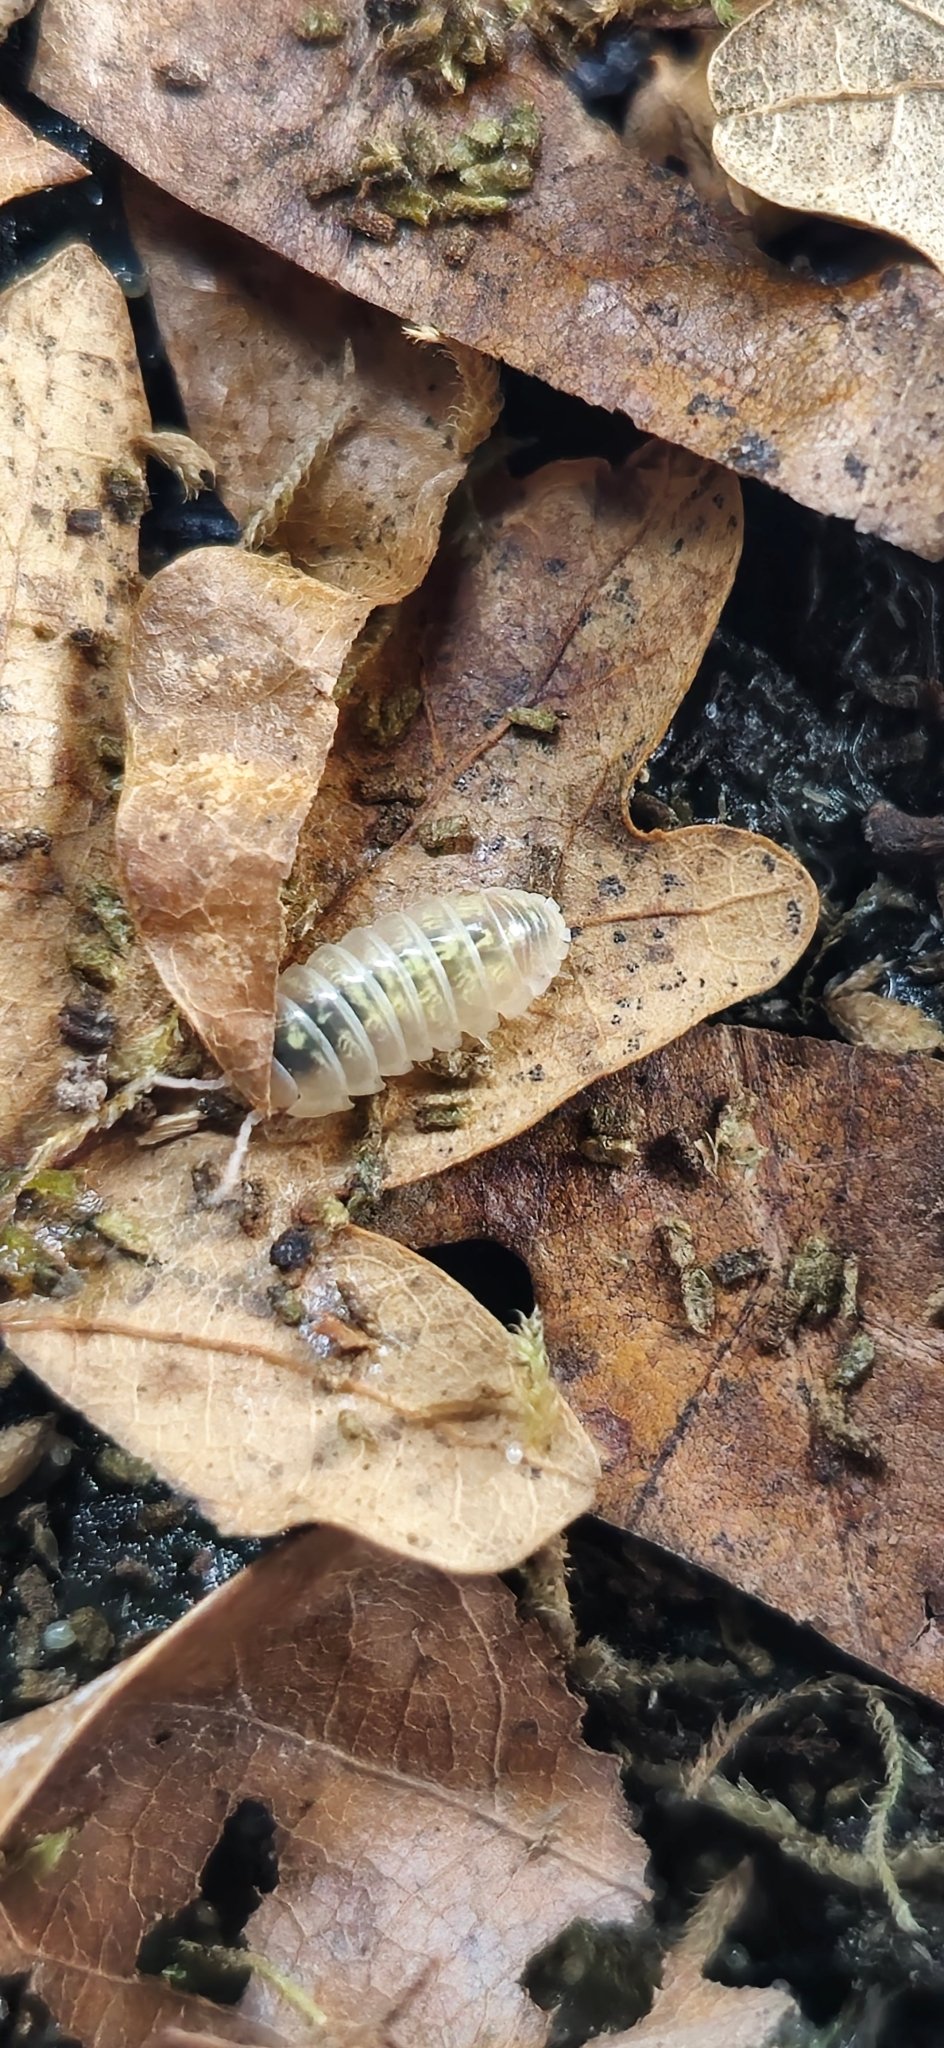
422	178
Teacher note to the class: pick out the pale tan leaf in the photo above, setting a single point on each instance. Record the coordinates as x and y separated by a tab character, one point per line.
837	107
72	494
230	717
605	277
592	597
367	1390
335	437
28	163
775	1447
438	1815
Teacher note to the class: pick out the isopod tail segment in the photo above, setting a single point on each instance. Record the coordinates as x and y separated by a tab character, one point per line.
416	982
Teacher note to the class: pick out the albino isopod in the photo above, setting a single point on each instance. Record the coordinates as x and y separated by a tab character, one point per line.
395	992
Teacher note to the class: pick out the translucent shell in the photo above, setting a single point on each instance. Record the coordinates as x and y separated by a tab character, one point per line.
395	992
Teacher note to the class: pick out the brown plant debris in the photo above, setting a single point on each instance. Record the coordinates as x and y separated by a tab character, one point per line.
335	437
607	277
330	1377
715	1446
330	1689
230	719
836	109
74	407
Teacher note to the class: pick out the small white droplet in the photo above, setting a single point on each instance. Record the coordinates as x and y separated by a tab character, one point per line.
60	1635
514	1454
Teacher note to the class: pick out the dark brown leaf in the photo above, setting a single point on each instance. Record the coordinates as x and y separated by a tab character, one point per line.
756	1447
606	277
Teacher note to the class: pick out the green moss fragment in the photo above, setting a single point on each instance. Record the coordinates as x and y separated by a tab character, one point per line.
695	1283
109	912
439	42
855	1363
319	25
534	718
119	1468
26	1267
385	715
286	1303
123	1234
421	177
440	1113
446	835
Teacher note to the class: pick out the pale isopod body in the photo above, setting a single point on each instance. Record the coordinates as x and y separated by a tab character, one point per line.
393	993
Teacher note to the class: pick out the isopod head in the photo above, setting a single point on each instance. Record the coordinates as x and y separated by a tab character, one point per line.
414	983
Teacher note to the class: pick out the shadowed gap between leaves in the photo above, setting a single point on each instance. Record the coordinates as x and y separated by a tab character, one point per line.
497	1277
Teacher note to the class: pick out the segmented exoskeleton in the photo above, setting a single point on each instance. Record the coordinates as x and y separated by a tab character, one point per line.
393	993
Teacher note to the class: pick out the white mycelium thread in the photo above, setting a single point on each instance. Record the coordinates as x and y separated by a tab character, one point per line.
393	993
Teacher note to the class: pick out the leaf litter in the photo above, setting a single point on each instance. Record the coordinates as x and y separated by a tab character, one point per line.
284	1365
411	1752
582	264
336	437
82	1009
784	1185
306	1377
230	717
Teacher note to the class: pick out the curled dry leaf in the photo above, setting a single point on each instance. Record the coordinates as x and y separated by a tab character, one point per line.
335	437
367	1389
230	717
795	1443
79	997
690	2010
421	1758
594	271
28	163
591	601
836	108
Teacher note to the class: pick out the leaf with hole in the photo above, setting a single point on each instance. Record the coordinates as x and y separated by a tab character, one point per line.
422	1810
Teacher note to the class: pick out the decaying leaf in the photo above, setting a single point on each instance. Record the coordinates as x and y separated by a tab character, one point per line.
333	1378
591	270
335	436
690	2010
592	597
78	997
865	1017
834	107
28	163
436	1815
776	1447
230	717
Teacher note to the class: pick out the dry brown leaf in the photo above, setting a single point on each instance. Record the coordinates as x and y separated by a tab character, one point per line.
28	163
606	278
72	494
230	717
691	2011
592	597
438	1815
835	107
367	1390
863	1017
335	436
762	1449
